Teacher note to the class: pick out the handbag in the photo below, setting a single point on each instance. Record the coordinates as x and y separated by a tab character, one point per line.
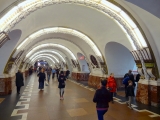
46	83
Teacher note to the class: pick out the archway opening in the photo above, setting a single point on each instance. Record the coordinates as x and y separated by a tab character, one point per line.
119	61
83	64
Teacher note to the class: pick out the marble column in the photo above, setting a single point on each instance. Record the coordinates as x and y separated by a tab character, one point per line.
148	92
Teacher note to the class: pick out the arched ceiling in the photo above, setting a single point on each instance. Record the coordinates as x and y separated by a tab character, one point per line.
50	45
61	33
100	20
49	55
50	51
101	5
43	56
53	53
71	46
46	59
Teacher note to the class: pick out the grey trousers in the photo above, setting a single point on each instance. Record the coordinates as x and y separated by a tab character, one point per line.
130	100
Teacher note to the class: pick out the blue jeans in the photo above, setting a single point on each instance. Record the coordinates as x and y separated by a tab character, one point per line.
41	85
100	114
48	77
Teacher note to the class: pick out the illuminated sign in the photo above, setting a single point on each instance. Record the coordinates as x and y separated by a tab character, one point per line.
82	58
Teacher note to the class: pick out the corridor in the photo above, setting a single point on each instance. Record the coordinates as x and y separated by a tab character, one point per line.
34	104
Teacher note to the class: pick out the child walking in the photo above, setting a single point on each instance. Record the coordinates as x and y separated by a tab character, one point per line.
130	93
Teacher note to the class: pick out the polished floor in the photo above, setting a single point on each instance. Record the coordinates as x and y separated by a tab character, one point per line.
33	104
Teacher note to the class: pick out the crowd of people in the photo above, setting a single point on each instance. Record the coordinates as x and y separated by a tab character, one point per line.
61	76
103	95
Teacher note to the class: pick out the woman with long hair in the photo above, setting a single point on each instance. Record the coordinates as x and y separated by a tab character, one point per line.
42	78
61	86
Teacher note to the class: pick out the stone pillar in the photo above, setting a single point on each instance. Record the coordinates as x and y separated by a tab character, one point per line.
4	85
142	95
148	92
95	80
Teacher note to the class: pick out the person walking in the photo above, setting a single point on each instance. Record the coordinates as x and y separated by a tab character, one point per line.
53	73
102	98
67	73
49	70
112	86
138	76
19	81
130	93
61	85
42	78
57	72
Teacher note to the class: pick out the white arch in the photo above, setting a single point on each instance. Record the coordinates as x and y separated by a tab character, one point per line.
51	45
24	8
45	55
64	31
46	59
49	51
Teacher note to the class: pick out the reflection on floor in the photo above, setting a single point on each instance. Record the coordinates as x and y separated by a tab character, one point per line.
121	93
34	104
1	100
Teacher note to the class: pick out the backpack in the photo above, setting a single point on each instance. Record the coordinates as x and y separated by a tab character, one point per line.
125	80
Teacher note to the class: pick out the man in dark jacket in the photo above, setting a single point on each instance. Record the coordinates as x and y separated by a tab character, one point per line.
19	81
102	98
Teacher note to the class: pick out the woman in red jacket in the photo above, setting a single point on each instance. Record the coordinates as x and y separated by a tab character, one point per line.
111	85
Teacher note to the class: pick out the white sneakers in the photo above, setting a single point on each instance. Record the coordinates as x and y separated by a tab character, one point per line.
129	106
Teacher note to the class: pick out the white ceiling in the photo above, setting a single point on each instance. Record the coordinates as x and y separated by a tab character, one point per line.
96	25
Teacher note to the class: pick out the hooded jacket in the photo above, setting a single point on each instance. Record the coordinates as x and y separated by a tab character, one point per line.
111	84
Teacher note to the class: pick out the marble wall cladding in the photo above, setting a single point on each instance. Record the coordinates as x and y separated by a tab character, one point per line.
143	94
74	76
2	85
155	95
80	76
94	81
120	85
5	86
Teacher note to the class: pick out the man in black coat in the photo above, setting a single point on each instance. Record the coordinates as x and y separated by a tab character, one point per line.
19	81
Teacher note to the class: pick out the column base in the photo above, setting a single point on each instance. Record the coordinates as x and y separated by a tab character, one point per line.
148	92
80	76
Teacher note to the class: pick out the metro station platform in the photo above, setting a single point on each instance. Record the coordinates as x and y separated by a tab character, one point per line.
33	104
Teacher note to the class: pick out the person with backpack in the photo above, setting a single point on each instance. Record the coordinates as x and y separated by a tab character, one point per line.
102	99
61	85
